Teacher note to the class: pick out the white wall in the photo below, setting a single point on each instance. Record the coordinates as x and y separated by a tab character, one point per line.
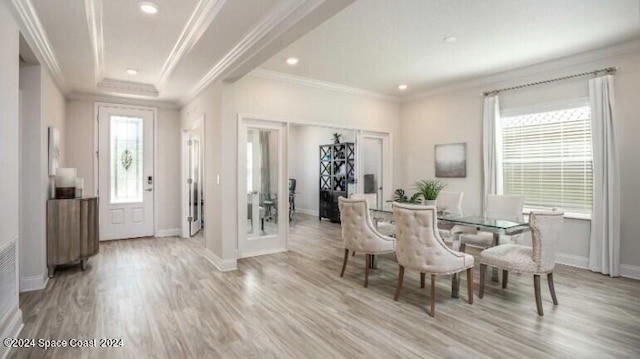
304	162
456	116
80	150
11	320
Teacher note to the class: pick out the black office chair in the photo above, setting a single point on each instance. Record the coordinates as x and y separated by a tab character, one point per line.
292	198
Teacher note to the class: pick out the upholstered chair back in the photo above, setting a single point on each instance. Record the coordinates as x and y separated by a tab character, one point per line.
358	231
418	243
450	202
505	207
545	230
371	198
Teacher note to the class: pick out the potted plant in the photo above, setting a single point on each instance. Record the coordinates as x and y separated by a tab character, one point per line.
336	137
400	196
429	190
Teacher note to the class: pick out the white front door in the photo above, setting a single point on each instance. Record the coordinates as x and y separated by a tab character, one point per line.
263	195
125	172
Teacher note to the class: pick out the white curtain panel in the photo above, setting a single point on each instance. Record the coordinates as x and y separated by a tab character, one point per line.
604	248
492	147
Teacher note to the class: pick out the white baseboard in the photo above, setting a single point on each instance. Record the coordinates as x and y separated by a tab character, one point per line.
572	260
307	211
10	329
172	232
261	253
626	270
630	271
35	282
223	265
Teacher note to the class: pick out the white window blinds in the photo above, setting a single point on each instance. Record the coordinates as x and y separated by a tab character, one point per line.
546	157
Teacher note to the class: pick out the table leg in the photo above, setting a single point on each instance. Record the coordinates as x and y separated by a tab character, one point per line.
494	270
455	286
374	262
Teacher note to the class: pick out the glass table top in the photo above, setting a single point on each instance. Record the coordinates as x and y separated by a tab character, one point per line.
505	224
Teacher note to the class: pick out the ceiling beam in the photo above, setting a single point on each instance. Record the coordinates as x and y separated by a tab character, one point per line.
93	11
288	21
202	16
35	35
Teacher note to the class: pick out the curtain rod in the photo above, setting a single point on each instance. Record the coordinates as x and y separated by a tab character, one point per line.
607	70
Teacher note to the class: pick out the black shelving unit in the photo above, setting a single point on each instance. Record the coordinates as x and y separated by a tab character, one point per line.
337	175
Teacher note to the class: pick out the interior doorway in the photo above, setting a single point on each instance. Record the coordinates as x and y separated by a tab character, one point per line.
262	188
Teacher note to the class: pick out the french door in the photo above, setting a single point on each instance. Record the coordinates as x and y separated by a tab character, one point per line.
195	184
374	166
125	172
262	189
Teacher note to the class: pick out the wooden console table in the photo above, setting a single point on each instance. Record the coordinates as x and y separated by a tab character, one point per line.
72	231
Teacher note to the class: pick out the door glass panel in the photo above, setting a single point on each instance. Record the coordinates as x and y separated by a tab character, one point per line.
126	144
195	175
262	182
372	170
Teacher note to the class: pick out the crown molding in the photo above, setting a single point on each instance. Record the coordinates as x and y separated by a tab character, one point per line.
93	11
80	96
318	84
557	64
36	37
202	16
283	10
128	88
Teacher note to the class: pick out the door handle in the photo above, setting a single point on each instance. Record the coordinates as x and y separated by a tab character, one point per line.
149	189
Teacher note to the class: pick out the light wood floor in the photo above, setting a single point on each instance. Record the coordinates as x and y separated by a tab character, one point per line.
165	300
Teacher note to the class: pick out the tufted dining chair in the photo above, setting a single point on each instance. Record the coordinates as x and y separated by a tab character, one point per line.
538	259
450	203
382	225
359	234
498	206
419	247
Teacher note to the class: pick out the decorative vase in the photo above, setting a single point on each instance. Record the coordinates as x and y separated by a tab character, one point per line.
429	202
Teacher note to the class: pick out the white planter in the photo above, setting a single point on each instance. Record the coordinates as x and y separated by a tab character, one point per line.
428	202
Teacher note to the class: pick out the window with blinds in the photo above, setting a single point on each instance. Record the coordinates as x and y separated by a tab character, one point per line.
547	158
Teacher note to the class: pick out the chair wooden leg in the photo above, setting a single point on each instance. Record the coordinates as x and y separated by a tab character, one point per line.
344	263
470	284
422	275
354	254
552	288
536	285
433	295
483	274
399	285
505	278
366	270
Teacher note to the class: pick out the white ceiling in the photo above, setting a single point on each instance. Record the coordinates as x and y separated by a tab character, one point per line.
378	44
88	45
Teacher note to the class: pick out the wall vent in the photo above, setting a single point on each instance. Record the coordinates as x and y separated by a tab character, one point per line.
8	280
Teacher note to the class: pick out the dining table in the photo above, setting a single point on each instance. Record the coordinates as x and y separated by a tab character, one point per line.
496	226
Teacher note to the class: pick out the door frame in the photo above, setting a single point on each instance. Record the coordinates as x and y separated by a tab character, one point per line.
199	121
96	134
283	150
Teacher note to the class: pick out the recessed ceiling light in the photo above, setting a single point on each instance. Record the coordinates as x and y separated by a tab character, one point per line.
402	87
132	71
449	39
292	60
148	7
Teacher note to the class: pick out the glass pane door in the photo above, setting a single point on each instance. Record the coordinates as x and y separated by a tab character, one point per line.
262	181
262	188
371	157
